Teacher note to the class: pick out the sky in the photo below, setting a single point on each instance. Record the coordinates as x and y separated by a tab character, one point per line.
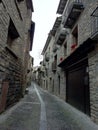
44	16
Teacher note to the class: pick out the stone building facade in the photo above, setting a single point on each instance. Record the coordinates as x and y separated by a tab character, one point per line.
15	42
74	59
30	71
53	76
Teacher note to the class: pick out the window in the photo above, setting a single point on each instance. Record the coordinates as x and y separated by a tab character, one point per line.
12	33
55	62
75	39
65	49
75	35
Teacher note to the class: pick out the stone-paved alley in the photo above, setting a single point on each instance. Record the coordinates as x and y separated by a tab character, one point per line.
39	110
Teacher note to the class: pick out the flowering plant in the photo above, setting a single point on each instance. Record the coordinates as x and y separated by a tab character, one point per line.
61	59
73	46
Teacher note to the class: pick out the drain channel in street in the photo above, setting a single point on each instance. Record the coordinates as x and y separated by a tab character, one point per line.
43	120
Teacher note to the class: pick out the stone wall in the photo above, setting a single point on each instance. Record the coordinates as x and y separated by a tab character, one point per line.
93	80
84	32
84	28
15	23
84	22
11	71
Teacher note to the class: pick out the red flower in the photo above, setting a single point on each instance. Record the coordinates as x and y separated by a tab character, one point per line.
61	59
73	46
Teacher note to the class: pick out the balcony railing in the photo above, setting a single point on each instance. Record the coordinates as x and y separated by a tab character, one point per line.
61	6
44	63
42	69
73	11
54	66
55	48
60	36
47	56
94	24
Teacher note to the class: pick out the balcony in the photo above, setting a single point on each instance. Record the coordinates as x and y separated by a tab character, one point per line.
74	10
54	66
55	48
60	36
56	25
44	64
47	57
94	24
42	69
61	6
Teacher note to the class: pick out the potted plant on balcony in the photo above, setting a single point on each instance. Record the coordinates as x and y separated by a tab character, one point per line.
73	46
61	59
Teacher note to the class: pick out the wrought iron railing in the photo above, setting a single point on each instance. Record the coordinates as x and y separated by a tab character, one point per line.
94	22
54	66
69	3
68	8
60	31
47	56
55	48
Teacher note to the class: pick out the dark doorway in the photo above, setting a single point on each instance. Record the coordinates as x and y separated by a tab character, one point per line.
59	85
50	84
78	87
46	84
53	86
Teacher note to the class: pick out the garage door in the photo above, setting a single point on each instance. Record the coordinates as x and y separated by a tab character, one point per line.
78	86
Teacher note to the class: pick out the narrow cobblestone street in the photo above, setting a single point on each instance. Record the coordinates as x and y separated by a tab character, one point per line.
39	110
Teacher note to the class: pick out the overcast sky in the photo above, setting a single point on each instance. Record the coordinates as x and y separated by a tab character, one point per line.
44	17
